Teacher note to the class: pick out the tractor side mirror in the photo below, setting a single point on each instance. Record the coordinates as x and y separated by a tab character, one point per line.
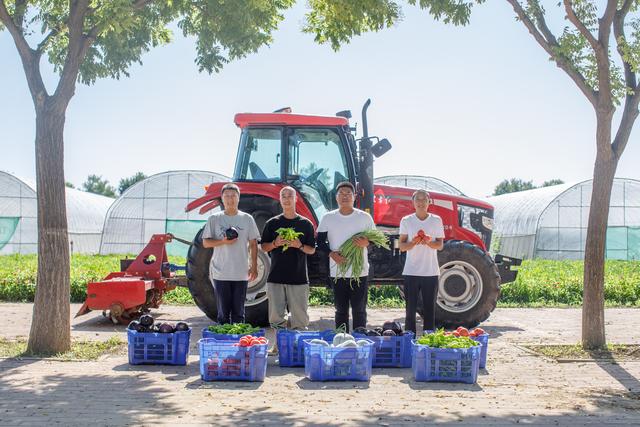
381	147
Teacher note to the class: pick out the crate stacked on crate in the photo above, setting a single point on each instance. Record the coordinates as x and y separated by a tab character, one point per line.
222	360
291	345
154	343
441	356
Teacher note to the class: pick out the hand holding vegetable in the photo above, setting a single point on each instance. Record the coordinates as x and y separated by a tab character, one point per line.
337	257
361	241
296	243
353	253
288	235
279	241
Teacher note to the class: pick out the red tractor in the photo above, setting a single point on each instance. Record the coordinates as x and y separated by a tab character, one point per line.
313	154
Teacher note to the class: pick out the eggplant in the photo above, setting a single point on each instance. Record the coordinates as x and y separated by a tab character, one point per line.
166	328
182	326
373	333
134	325
389	333
231	233
396	327
146	320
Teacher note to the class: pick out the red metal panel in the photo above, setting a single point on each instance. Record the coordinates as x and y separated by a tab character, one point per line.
271	190
243	120
127	292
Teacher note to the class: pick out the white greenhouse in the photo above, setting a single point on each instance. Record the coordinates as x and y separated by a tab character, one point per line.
551	222
19	223
423	182
154	206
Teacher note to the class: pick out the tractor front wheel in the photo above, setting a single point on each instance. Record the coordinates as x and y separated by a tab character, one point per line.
469	285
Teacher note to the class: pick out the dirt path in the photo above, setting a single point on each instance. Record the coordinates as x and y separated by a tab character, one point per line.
516	387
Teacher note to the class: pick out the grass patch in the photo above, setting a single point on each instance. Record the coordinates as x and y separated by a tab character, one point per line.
540	283
83	350
576	352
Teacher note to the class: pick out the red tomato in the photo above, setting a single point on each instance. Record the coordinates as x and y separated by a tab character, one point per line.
479	331
464	332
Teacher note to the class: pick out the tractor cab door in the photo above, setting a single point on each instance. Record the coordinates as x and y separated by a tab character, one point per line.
316	162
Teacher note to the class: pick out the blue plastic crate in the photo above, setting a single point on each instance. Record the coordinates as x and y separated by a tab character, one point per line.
291	345
484	340
338	364
229	337
224	361
158	349
391	352
459	365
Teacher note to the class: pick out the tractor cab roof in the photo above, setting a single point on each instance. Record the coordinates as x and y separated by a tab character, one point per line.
244	120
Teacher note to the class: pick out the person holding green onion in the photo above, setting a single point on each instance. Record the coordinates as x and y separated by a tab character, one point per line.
335	228
288	238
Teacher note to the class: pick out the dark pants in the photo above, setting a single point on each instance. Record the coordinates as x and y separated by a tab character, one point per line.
413	286
343	296
230	296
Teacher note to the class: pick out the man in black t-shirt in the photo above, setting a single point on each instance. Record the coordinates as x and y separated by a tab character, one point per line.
288	281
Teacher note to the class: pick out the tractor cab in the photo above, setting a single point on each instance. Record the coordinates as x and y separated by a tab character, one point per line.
311	158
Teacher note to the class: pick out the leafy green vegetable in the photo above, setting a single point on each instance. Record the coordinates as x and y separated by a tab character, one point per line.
438	339
354	254
288	234
233	328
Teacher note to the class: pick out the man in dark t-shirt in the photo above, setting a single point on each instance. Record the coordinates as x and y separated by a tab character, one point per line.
288	281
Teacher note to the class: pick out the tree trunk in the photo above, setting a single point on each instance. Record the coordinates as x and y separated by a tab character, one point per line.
593	333
51	324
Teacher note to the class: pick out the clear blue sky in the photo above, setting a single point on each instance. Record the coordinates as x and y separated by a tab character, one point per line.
471	106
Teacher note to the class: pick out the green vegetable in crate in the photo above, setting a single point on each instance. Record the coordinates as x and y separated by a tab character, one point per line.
233	329
354	254
438	339
288	234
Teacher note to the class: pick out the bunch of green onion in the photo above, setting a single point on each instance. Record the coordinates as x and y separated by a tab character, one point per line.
354	254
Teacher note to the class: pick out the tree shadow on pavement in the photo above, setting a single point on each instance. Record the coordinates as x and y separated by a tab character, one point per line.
73	399
617	371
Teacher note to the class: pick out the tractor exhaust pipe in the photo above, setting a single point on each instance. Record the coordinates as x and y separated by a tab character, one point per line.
365	175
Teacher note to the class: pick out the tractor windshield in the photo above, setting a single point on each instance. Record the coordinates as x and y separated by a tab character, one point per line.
259	155
316	164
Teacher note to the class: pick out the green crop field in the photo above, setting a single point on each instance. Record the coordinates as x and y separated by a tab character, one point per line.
540	283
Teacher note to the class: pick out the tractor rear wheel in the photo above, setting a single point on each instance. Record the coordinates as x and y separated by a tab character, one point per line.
469	285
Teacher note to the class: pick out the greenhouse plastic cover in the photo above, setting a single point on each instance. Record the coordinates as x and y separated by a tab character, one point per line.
551	222
18	217
156	205
419	182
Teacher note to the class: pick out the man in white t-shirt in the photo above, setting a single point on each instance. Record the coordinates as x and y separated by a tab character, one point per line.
334	229
421	236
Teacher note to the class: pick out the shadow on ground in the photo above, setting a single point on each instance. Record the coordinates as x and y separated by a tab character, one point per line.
72	399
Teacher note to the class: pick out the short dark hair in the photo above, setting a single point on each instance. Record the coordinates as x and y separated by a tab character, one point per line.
346	184
230	186
421	191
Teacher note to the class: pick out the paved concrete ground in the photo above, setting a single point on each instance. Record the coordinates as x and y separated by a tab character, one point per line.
516	387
